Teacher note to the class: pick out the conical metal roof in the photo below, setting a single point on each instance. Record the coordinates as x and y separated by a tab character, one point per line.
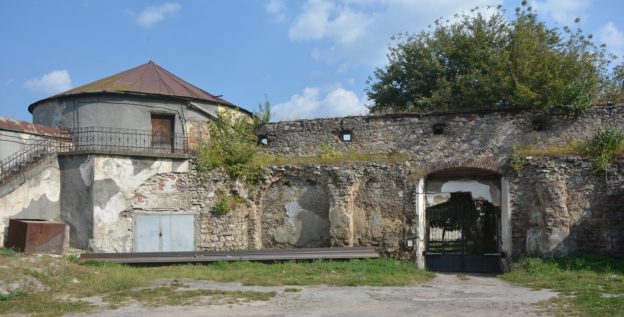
149	79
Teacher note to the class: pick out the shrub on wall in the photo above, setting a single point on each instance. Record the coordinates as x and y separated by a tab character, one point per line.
232	145
604	146
223	206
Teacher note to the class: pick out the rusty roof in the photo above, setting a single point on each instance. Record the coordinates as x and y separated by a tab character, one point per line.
9	124
149	79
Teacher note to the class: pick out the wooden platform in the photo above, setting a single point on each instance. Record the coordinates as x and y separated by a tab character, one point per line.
244	255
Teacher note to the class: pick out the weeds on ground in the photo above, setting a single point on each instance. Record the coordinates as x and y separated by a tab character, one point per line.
589	285
66	283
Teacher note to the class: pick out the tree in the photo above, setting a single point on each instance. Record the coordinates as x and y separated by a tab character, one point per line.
483	61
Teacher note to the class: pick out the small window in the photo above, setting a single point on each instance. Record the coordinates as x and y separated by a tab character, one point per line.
263	140
538	124
345	136
438	128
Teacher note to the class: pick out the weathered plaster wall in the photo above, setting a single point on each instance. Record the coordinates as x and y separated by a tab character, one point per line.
34	194
11	142
115	180
295	213
77	197
117	111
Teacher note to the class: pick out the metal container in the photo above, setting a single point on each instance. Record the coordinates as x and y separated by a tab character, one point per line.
36	235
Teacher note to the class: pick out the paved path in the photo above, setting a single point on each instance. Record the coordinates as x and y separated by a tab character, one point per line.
445	295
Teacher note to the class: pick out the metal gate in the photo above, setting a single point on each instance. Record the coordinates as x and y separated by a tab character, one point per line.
462	235
164	233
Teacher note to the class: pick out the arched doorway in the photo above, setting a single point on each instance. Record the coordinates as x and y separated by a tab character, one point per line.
462	221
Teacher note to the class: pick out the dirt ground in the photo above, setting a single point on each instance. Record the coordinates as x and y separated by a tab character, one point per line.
445	295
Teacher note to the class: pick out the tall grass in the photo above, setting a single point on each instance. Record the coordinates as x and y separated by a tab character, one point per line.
590	285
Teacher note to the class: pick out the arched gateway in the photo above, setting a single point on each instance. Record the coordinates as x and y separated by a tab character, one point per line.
463	220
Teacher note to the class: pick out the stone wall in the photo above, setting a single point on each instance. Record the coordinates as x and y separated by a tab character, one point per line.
465	136
552	207
561	205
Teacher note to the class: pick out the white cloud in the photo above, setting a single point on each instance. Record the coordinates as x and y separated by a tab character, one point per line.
562	11
277	8
613	37
359	30
152	15
337	102
52	82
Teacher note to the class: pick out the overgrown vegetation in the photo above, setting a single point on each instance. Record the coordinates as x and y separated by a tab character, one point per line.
477	60
518	158
604	146
7	252
223	206
590	285
226	203
233	146
54	286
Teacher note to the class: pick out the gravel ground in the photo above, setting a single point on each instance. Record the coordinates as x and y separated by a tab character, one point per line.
445	295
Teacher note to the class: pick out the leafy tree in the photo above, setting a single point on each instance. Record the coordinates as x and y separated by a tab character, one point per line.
481	61
613	87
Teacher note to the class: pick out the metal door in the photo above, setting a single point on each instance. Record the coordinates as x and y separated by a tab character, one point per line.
462	235
164	233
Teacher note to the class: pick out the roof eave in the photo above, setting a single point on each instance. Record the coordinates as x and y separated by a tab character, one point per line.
222	102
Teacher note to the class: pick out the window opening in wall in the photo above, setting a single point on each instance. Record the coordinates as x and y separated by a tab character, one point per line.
538	124
346	136
438	128
263	140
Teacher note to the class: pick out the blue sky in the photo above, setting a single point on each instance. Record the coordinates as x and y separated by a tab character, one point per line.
310	57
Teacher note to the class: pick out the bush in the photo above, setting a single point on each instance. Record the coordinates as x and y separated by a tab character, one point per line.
604	146
232	145
223	206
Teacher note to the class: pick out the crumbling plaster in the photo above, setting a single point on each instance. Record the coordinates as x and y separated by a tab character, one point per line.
33	194
115	180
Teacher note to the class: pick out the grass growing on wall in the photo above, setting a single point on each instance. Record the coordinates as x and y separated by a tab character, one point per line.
233	146
589	285
606	144
54	286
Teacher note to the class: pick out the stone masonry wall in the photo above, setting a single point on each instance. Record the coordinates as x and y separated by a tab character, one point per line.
561	205
466	136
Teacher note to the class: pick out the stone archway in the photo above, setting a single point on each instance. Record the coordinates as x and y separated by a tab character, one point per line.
295	213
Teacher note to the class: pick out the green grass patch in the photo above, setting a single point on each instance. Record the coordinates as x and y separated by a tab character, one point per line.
292	290
8	252
64	283
330	157
590	285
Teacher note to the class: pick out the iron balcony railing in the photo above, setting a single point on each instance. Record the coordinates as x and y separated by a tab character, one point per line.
94	140
97	139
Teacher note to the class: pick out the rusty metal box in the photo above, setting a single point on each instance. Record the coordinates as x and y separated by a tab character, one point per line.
36	235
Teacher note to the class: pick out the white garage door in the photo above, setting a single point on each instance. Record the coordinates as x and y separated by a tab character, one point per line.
164	233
